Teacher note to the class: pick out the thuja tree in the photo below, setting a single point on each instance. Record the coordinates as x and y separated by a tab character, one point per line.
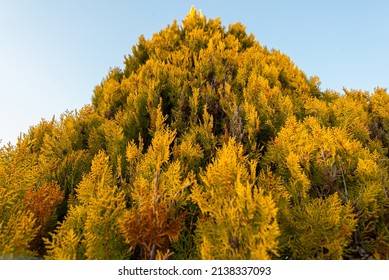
206	145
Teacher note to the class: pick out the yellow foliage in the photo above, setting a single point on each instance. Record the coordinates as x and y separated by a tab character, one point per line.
158	193
321	229
238	219
206	145
93	222
16	235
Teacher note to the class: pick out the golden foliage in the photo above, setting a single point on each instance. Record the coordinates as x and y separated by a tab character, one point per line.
238	219
90	228
321	229
16	236
158	193
206	145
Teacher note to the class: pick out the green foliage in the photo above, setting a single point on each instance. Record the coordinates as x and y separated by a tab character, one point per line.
206	145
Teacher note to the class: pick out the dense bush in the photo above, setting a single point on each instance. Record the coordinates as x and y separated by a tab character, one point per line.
206	145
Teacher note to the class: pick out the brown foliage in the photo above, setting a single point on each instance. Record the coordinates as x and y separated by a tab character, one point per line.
152	229
42	202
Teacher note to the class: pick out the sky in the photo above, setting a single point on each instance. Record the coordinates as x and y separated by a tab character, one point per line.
53	53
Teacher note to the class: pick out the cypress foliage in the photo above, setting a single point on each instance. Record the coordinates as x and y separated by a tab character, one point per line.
206	145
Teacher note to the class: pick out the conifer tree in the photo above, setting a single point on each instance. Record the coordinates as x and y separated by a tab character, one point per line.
207	145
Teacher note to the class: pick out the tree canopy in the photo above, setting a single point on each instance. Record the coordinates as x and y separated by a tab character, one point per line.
207	145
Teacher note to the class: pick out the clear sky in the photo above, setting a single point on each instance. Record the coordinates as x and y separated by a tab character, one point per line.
53	53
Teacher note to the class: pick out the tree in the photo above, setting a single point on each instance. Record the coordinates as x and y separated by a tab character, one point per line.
207	145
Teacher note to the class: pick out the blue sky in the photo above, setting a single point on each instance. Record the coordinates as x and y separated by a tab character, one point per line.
53	53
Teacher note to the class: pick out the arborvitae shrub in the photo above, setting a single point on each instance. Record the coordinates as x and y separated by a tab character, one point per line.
206	145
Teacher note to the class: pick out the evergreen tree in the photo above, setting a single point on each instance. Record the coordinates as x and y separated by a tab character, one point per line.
207	145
